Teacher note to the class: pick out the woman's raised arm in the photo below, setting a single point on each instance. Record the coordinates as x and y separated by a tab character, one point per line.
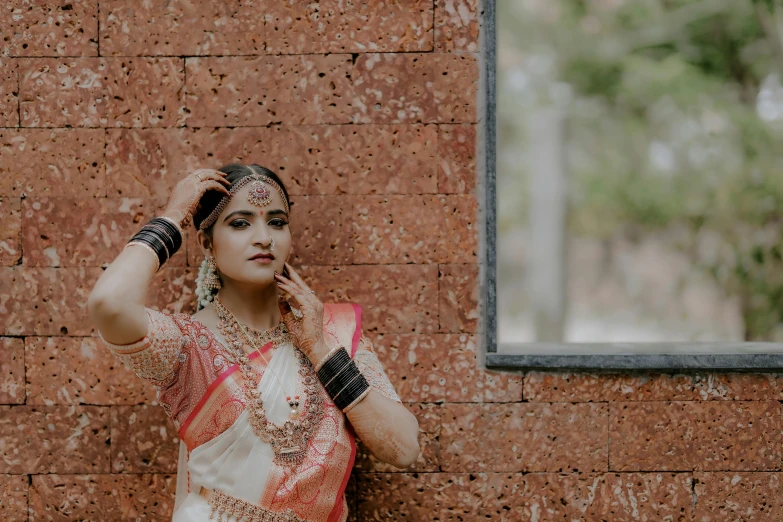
116	303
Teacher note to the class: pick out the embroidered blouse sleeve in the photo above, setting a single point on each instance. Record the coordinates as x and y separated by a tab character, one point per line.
372	369
158	355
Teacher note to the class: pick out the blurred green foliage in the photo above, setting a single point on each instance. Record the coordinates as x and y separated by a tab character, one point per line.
666	128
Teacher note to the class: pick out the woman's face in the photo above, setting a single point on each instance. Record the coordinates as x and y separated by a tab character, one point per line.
244	230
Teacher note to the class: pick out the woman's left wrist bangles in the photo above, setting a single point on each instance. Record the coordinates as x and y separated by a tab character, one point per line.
161	236
342	379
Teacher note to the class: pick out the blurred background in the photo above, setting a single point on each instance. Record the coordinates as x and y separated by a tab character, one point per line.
638	179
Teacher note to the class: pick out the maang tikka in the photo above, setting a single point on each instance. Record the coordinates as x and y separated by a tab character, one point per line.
259	196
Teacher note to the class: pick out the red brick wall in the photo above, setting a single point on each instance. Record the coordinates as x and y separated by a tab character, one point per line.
367	110
370	116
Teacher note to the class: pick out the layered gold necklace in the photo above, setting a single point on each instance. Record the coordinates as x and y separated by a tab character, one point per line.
288	441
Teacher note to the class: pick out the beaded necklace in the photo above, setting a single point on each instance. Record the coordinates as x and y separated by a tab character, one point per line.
288	441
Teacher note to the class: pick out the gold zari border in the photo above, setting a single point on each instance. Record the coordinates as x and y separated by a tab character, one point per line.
224	505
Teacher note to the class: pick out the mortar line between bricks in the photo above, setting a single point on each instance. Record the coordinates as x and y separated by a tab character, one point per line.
267	126
18	96
98	35
421	472
434	40
266	55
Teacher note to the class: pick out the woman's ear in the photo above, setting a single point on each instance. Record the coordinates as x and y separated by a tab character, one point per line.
205	242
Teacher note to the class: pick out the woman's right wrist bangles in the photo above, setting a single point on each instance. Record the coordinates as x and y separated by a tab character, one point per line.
161	236
342	379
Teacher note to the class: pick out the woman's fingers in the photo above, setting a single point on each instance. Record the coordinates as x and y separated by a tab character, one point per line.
296	277
216	175
292	292
217	186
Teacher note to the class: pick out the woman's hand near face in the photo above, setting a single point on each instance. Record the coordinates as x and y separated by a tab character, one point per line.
297	298
187	193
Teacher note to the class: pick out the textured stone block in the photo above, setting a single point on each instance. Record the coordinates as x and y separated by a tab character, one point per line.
354	159
587	387
9	93
101	92
415	88
97	230
457	25
148	163
79	370
428	416
415	229
432	368
458	297
52	162
143	440
438	496
10	231
14	491
174	289
739	386
49	28
310	159
54	439
457	159
294	90
322	230
53	301
711	436
116	497
738	496
45	301
611	497
536	437
394	298
182	27
334	26
12	370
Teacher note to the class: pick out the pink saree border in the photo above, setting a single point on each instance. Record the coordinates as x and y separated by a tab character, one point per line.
217	382
337	512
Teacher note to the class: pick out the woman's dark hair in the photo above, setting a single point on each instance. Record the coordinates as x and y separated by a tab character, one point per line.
234	172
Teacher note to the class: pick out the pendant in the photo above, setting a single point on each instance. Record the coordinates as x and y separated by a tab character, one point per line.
294	405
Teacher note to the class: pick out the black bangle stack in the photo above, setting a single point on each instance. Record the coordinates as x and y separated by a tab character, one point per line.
160	235
342	379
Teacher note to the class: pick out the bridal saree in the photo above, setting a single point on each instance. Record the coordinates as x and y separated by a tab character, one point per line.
199	387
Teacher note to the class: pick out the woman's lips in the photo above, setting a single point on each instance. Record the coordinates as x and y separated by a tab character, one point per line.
262	260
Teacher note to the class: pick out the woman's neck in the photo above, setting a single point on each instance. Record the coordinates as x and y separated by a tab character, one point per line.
254	307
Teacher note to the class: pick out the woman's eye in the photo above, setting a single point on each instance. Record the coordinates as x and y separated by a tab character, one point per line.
239	223
278	223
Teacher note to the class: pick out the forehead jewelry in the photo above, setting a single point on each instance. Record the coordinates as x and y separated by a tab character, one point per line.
259	196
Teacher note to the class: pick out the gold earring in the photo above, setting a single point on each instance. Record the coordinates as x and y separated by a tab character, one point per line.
211	279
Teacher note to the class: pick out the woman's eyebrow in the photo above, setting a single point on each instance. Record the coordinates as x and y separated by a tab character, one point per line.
277	212
250	213
240	213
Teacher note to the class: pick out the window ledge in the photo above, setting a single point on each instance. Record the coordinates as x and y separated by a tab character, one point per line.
736	357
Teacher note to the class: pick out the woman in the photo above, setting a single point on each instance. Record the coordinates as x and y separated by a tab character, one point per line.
266	385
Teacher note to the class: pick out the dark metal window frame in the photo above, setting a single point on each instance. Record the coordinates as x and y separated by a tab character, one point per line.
680	357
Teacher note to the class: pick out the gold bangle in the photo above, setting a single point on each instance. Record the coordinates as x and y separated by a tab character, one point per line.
357	400
145	245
